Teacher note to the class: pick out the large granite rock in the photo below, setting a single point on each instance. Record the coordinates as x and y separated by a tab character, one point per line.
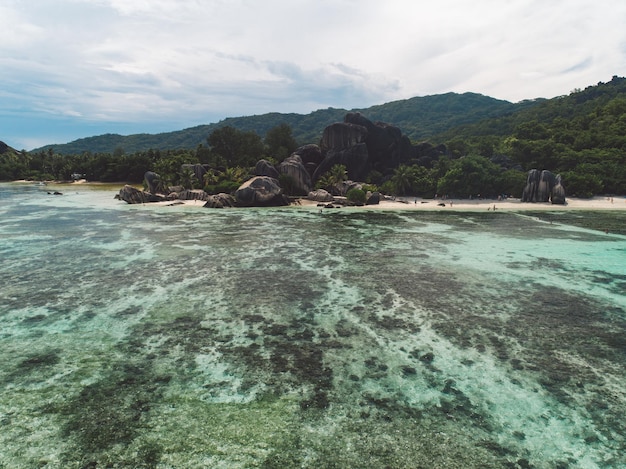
342	135
131	195
265	168
311	156
386	145
354	158
558	191
295	170
153	181
260	191
541	186
191	194
320	195
220	200
373	198
362	146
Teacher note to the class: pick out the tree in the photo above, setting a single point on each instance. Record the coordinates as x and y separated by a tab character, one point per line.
470	176
236	147
280	142
356	196
401	180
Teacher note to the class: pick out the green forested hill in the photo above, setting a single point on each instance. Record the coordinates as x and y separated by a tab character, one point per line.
419	118
484	143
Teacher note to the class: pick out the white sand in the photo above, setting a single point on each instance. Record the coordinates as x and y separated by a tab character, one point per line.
596	203
460	205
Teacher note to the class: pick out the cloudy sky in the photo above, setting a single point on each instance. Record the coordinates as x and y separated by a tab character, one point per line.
77	68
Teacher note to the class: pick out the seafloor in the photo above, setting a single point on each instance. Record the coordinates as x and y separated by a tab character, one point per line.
170	338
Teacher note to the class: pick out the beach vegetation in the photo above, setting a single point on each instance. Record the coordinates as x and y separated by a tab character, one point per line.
226	180
356	196
331	178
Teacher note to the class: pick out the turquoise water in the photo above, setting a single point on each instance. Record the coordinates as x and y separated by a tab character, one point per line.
171	337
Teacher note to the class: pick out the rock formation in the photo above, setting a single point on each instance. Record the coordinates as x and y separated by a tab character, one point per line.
373	198
190	194
265	168
293	168
131	195
153	181
543	186
260	191
320	195
220	201
311	156
363	146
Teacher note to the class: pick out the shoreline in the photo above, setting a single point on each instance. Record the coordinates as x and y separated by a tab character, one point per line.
616	203
511	204
450	205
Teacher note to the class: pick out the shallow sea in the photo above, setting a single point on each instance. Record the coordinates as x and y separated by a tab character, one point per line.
183	337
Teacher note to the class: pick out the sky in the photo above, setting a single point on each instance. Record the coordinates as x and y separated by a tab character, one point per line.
77	68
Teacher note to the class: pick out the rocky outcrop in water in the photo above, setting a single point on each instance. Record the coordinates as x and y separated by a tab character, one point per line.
260	191
543	186
131	195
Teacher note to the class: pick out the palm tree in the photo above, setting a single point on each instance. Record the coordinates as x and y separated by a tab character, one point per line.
401	179
187	178
338	174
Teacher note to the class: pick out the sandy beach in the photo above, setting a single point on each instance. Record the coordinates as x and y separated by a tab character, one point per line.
412	203
459	205
595	203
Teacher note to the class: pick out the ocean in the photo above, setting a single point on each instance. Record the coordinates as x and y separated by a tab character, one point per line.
183	337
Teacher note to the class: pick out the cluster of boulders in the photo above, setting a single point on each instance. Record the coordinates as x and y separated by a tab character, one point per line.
543	186
133	195
357	143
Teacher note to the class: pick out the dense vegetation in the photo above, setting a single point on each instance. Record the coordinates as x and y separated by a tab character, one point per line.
490	146
419	118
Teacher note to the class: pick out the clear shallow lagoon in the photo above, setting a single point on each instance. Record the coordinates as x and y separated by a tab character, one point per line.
170	337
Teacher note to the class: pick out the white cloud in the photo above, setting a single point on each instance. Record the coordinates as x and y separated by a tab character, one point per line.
186	60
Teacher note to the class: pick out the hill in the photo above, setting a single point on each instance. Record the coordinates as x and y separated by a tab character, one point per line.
419	118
